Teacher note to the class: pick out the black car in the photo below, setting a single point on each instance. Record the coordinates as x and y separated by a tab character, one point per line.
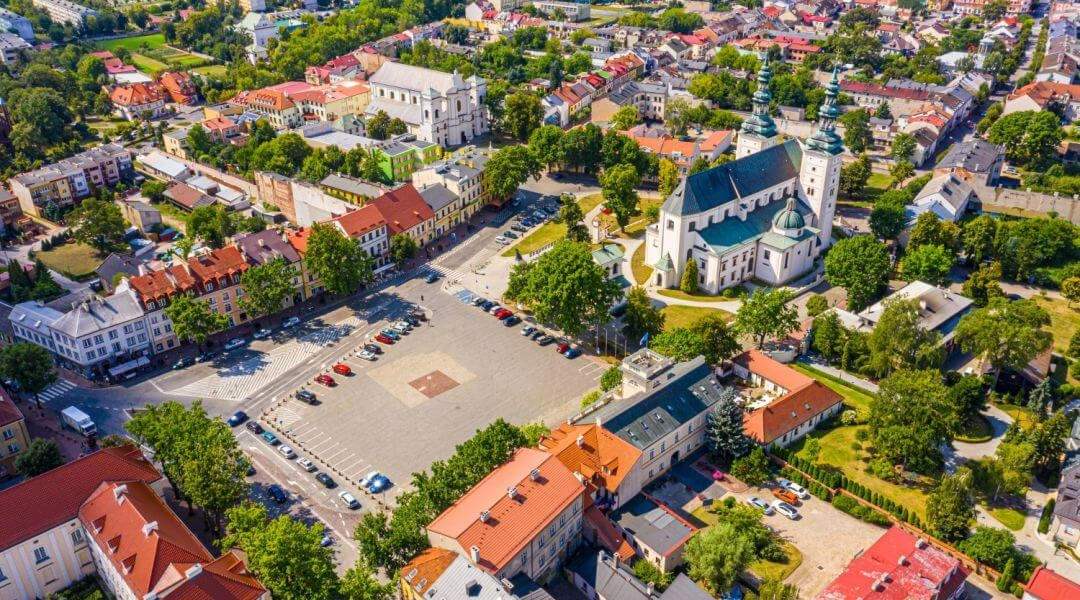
536	334
325	479
306	396
183	362
278	494
519	228
544	340
486	305
205	356
419	315
254	427
412	321
511	320
372	348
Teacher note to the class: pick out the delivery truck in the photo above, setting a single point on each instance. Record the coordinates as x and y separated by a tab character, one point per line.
78	421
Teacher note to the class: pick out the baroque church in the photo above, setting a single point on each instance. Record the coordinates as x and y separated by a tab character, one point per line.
766	215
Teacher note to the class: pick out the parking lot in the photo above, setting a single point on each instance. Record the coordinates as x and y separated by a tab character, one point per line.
428	392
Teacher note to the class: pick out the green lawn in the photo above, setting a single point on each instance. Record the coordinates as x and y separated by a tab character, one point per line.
590	202
1020	414
212	70
976	431
73	259
878	183
1064	320
154	40
698	296
685	316
146	64
640	270
779	571
853	397
636	227
187	61
1009	517
545	234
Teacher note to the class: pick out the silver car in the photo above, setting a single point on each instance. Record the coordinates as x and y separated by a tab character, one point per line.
785	509
759	503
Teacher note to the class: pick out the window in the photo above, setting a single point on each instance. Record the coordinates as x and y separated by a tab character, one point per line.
2	576
767	254
9	433
131	340
13	448
113	335
671	224
209	286
98	339
139	325
652	453
116	346
693	226
40	555
77	537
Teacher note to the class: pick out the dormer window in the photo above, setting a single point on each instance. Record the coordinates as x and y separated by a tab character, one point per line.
209	286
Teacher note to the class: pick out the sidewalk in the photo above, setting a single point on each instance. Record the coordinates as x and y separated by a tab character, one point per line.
845	376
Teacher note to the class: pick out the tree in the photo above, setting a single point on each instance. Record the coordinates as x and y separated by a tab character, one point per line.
1006	334
611	379
978	238
28	365
546	145
641	316
776	589
725	436
668	177
829	336
928	263
752	469
284	553
720	342
950	509
699	165
767	313
1015	459
359	583
570	214
99	224
509	168
994	10
1031	138
566	288
929	230
212	224
154	190
45	287
680	343
990	545
1008	576
402	248
853	176
194	319
617	185
689	282
816	304
860	265
522	116
1049	439
266	287
717	556
898	340
341	262
903	147
40	456
911	418
900	171
968	396
625	118
857	134
377	125
984	284
199	142
1070	290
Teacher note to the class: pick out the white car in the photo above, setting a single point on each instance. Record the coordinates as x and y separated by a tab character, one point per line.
401	327
795	488
262	334
759	503
366	481
494	308
367	355
349	500
234	343
307	465
501	240
291	322
287	452
785	509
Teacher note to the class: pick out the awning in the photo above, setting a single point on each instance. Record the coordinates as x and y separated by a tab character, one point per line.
130	365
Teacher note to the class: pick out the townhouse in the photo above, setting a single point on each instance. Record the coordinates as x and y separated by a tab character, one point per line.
61	185
269	245
781	404
684	152
138	100
179	86
442	573
14	436
368	225
405	212
1046	95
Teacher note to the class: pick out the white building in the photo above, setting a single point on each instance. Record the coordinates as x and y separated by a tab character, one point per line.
464	176
766	215
10	46
10	21
441	108
62	11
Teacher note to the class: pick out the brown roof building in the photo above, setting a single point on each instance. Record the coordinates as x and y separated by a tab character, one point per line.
783	405
179	86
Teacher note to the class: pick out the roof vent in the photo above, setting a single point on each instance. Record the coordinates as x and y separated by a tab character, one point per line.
149	528
512	492
411	575
920	543
484	516
150	596
119	491
580	441
902	561
534	474
193	571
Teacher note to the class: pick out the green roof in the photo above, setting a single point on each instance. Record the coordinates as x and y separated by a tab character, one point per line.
789	218
602	74
731	233
609	253
665	263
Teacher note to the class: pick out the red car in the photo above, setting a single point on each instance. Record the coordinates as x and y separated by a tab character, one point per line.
385	339
562	348
325	380
341	369
502	313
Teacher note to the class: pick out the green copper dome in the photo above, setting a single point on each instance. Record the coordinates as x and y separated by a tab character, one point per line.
788	218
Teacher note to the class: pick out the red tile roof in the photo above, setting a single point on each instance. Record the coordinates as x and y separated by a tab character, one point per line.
1043	92
897	568
9	413
136	94
602	457
218	264
365	219
163	284
403	208
607	534
53	498
299	239
512	522
425	568
805	399
1049	585
226	577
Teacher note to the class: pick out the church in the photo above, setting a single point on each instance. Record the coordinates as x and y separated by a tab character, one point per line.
766	215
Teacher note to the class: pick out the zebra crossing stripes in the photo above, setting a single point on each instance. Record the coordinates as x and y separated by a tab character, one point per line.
54	391
452	274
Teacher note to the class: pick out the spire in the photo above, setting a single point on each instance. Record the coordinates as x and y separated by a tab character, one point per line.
760	123
825	139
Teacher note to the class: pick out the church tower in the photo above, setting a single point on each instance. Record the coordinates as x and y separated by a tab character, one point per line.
820	170
758	132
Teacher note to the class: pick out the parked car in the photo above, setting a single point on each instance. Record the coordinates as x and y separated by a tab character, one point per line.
254	427
291	322
307	465
373	348
544	340
759	503
287	452
519	228
205	356
326	380
262	334
785	495
325	479
536	334
348	500
501	240
563	347
278	494
366	355
182	363
477	301
270	438
572	352
510	235
385	339
495	307
412	320
380	483
306	396
527	330
795	488
511	320
402	327
486	305
432	277
237	418
234	343
503	313
786	509
390	333
341	369
419	315
326	541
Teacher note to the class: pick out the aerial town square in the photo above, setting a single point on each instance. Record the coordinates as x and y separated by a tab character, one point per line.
539	299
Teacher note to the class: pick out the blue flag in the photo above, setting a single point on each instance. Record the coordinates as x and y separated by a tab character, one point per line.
644	339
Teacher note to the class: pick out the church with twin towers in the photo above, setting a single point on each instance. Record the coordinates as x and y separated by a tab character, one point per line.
765	215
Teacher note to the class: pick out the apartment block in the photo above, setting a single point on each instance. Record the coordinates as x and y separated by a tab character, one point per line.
63	183
62	11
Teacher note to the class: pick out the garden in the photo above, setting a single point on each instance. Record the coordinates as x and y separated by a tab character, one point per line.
150	54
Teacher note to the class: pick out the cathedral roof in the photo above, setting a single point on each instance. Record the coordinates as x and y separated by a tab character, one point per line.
739	178
789	217
732	232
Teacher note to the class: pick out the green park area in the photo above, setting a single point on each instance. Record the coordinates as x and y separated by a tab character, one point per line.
72	259
150	54
677	315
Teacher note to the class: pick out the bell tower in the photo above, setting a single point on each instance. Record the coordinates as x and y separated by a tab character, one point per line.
759	131
820	170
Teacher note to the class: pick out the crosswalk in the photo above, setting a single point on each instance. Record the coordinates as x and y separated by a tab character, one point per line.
56	390
242	379
447	273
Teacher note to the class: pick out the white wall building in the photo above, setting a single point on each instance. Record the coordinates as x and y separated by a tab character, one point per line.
441	108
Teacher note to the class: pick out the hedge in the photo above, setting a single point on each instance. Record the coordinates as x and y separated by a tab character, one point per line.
1047	514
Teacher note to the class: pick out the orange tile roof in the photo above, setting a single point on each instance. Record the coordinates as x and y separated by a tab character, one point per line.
9	413
512	522
299	239
403	208
602	457
425	568
608	535
226	577
136	94
218	264
162	284
145	541
805	399
356	223
219	122
1042	92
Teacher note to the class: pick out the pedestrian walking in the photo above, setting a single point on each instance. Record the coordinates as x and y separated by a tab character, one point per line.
421	297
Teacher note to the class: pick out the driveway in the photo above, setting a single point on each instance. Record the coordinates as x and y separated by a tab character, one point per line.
961	452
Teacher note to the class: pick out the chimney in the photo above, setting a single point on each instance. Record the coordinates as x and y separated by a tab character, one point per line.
484	516
902	560
920	543
534	474
149	528
650	589
511	492
261	242
598	422
580	441
616	559
193	571
119	491
474	553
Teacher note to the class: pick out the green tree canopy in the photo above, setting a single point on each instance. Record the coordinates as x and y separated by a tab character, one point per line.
617	184
911	418
99	224
341	262
898	340
508	169
402	248
641	316
193	319
42	455
718	555
28	365
267	286
1008	334
767	313
928	263
522	116
860	265
950	509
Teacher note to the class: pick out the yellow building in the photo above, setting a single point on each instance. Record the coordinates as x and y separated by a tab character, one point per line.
15	437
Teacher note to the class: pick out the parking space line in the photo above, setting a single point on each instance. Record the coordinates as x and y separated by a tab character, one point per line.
329	458
318	444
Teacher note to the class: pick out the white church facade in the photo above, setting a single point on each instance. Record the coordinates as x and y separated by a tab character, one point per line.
766	215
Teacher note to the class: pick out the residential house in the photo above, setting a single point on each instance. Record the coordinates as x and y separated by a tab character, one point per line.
975	161
463	175
444	204
782	405
657	533
217	275
179	86
1049	585
221	129
525	517
1046	95
11	213
975	7
684	152
136	101
14	436
269	245
115	268
141	215
442	573
186	197
900	565
1065	523
16	23
368	225
63	11
313	285
160	166
405	212
439	108
602	576
61	185
940	309
350	189
947	196
175	142
11	47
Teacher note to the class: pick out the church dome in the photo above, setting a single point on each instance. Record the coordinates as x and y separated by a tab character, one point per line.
789	218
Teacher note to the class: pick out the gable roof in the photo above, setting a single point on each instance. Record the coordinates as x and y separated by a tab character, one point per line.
653	524
739	178
38	504
1068	500
225	577
601	456
1049	585
403	208
358	222
806	398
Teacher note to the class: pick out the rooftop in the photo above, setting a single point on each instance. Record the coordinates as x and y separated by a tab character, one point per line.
937	306
804	398
1049	585
593	451
653	524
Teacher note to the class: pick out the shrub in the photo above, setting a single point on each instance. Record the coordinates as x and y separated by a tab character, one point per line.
848	417
862	434
816	304
844	503
729	502
1074	369
611	379
1047	513
882	469
589	398
856	446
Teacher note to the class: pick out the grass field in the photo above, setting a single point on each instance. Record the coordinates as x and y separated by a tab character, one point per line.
698	296
72	259
638	267
685	316
1064	320
1009	517
132	44
976	431
853	397
778	571
212	70
150	54
636	227
146	64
